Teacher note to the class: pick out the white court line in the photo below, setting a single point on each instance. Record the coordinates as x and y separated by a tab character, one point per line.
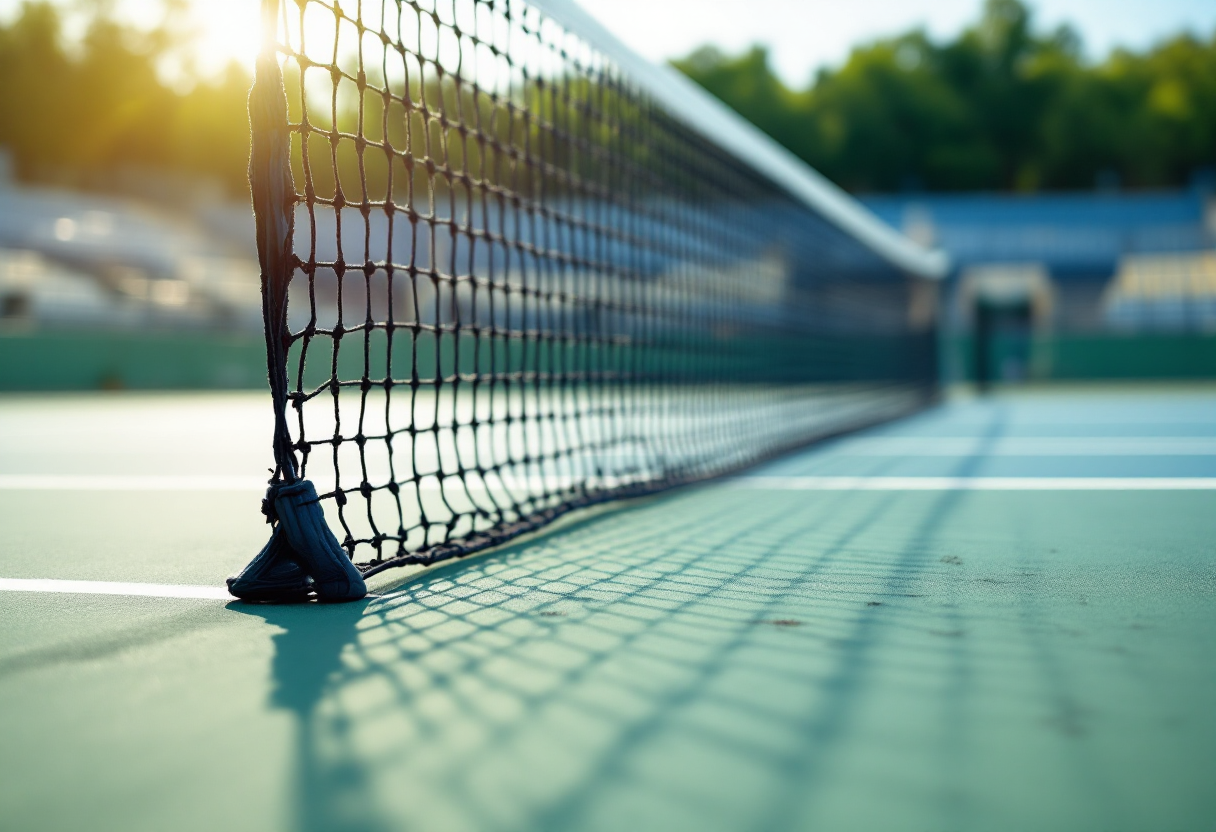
760	483
129	482
1027	446
208	482
210	593
979	483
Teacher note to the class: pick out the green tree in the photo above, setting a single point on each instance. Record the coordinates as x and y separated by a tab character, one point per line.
80	112
1000	106
748	84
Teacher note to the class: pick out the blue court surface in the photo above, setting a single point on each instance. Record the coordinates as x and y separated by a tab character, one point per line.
998	614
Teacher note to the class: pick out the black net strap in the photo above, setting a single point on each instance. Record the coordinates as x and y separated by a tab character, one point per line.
274	202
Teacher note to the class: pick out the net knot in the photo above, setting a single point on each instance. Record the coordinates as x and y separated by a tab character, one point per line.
272	491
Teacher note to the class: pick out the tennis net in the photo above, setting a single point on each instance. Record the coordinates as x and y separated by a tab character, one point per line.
510	269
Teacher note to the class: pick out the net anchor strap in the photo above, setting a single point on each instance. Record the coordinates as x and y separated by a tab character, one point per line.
302	559
274	199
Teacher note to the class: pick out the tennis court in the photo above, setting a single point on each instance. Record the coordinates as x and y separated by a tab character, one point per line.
996	614
621	433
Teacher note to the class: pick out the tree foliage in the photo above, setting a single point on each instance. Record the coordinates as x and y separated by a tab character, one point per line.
77	112
1001	106
998	107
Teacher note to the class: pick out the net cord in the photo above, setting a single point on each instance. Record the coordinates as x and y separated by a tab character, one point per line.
742	139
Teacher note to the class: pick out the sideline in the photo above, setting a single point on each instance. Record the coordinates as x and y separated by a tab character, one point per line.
978	483
129	482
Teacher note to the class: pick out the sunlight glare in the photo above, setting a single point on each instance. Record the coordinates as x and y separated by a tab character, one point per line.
227	30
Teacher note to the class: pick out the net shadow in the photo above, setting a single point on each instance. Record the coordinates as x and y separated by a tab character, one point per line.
697	662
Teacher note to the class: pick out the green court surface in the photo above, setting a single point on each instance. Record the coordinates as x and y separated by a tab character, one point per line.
998	614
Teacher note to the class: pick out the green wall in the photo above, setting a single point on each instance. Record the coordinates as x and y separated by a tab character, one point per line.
108	360
101	360
1076	357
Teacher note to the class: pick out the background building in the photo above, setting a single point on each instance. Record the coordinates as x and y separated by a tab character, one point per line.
1100	284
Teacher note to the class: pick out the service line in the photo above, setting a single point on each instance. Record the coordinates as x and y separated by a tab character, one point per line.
209	593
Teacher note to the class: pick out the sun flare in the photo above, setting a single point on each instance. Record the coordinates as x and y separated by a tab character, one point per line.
225	31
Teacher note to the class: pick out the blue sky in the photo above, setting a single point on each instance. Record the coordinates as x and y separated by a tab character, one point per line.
806	34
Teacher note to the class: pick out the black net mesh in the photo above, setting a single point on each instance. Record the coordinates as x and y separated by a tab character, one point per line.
501	282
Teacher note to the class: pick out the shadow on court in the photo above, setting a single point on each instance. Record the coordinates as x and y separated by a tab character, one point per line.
729	659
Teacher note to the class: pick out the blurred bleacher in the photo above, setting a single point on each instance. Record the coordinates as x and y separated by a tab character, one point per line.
1100	284
97	290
